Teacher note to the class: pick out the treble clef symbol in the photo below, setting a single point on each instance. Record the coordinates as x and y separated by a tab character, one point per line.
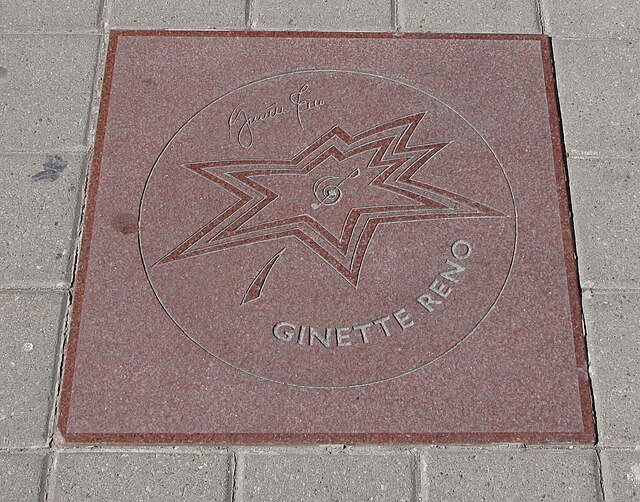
328	192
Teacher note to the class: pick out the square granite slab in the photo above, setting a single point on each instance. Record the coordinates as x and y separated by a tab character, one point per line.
335	238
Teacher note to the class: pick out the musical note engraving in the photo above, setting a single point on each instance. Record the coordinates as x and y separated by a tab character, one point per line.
327	192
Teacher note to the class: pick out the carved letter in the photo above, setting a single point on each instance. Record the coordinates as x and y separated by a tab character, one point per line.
427	302
284	331
382	322
403	318
440	289
313	334
455	270
363	331
342	337
301	334
461	249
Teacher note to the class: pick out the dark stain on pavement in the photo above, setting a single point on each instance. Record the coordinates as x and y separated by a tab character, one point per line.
52	168
125	223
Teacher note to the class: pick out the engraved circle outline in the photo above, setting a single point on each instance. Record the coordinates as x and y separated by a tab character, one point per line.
344	386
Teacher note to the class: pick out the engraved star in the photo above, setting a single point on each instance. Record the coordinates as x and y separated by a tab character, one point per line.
331	197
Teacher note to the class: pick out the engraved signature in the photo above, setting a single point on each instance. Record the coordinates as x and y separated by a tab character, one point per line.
241	123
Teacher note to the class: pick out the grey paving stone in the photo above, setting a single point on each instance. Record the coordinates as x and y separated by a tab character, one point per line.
478	16
45	90
318	15
523	475
39	201
605	198
29	339
592	18
21	476
621	474
598	83
289	476
165	477
613	330
48	15
190	14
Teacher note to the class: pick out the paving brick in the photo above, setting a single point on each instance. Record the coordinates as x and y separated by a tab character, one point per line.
606	196
613	326
141	476
189	14
21	476
621	474
318	15
45	90
592	18
48	15
289	476
483	16
598	86
29	339
39	202
510	474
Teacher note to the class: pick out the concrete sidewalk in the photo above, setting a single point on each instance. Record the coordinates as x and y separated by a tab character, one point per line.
51	57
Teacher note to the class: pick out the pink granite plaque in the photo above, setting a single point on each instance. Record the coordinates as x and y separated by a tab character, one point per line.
346	238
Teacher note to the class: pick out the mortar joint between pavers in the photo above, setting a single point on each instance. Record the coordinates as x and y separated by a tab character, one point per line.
248	14
589	292
395	13
96	91
25	449
590	377
103	16
618	38
416	475
540	14
599	473
168	449
58	288
44	33
48	478
67	149
237	471
57	378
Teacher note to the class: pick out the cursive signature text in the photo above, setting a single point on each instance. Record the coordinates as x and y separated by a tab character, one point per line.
241	123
